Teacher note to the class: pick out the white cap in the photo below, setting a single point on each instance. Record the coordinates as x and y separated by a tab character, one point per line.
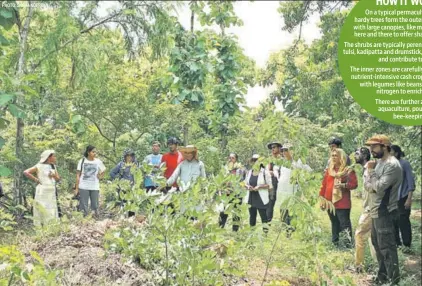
255	156
45	155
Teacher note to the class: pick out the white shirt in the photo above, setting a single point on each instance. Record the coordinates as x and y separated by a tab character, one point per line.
264	178
285	189
89	171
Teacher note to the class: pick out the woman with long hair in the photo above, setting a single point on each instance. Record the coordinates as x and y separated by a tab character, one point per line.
88	174
45	175
338	180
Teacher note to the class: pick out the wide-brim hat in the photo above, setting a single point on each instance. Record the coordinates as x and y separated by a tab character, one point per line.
287	146
379	139
44	155
270	145
188	148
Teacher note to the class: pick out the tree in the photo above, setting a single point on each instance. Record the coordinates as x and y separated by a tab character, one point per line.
140	22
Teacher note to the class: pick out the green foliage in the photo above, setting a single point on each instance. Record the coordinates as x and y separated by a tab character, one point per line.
15	270
6	220
189	65
151	79
178	249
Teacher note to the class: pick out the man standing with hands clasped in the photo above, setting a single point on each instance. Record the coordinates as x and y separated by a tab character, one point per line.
385	177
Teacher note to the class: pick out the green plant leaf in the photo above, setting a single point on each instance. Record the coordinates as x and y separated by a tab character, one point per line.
4	171
6	13
6	98
3	123
76	118
3	41
16	111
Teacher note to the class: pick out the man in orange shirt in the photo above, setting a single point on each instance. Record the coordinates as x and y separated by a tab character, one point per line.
171	159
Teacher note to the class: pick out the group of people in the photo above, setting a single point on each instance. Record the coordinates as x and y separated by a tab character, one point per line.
263	183
388	187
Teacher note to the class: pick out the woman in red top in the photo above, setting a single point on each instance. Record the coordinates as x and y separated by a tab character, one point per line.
339	179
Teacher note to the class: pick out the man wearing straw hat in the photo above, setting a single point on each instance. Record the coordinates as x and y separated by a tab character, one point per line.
385	177
190	168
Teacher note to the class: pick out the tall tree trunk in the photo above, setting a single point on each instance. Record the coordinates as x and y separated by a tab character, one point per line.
223	140
186	134
192	20
186	126
18	194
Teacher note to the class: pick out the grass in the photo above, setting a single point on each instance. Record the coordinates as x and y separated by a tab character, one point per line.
294	259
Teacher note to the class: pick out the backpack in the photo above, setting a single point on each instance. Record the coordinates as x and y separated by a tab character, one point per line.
82	167
82	164
59	209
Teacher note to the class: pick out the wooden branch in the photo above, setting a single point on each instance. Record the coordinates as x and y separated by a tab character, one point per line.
308	2
73	74
192	20
18	19
108	158
111	122
99	129
23	39
335	6
139	137
35	66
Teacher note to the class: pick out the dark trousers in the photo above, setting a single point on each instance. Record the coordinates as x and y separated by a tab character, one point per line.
402	224
287	219
273	198
236	219
383	239
223	219
123	202
340	222
151	188
252	217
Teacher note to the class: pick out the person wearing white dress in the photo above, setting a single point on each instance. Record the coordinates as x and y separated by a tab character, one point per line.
45	201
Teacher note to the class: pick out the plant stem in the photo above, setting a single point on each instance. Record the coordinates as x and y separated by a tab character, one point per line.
167	259
11	279
267	266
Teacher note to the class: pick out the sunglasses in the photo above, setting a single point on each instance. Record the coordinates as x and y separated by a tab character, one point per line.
375	145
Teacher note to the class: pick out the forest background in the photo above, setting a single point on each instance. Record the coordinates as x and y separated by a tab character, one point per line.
70	77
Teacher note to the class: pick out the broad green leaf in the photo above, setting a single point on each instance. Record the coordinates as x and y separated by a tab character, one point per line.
3	123
129	12
76	118
6	98
7	23
16	111
6	13
3	41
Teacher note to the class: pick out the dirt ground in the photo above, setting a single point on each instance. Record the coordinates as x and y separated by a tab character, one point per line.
81	257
